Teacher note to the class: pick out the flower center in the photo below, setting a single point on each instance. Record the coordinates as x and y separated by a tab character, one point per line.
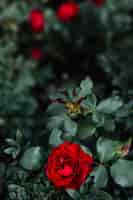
73	107
61	160
65	171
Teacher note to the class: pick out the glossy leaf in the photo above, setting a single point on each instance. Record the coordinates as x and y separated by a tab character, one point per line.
122	172
32	159
110	105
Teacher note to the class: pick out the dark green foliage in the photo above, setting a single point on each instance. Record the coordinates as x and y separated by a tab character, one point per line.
97	112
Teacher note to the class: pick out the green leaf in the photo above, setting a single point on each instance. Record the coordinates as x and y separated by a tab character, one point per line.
11	142
100	177
99	195
98	118
70	127
86	87
32	159
109	149
86	149
109	124
56	109
55	122
89	103
73	194
19	137
55	137
86	130
10	150
110	105
70	94
124	111
84	188
57	95
17	192
12	187
122	172
2	169
25	80
106	149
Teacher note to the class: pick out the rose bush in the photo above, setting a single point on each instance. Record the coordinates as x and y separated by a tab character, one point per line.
68	166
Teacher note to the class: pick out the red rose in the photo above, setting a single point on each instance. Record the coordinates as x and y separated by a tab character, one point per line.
99	2
68	166
67	11
36	20
36	54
